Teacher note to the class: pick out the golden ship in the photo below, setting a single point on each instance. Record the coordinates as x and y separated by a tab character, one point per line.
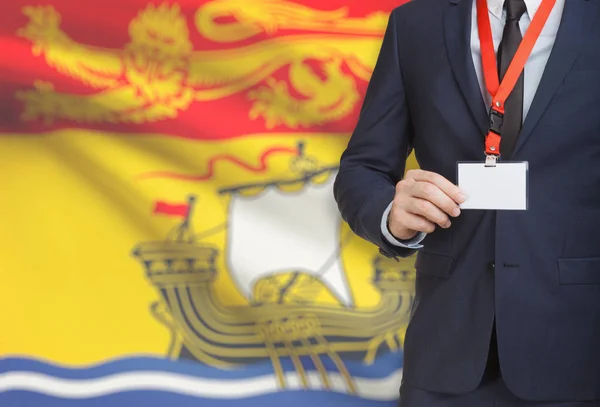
272	228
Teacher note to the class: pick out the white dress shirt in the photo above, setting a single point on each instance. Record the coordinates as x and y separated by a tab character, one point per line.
534	68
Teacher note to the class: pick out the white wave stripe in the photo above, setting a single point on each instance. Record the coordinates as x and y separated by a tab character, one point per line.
383	389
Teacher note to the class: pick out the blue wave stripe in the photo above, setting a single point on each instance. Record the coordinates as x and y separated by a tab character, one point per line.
382	367
161	399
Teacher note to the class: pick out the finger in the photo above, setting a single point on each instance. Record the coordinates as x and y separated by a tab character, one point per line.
433	194
417	223
442	183
429	211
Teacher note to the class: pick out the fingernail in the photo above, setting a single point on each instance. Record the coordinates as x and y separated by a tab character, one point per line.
461	198
456	212
447	225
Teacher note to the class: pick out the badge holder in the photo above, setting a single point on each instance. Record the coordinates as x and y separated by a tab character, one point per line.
501	186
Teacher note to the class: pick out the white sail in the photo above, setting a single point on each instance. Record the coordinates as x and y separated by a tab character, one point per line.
277	231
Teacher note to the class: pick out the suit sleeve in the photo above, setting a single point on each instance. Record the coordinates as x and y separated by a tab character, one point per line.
375	158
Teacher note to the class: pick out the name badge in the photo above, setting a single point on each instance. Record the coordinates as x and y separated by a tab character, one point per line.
502	186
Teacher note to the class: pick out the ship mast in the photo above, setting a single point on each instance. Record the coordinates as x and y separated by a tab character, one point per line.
184	228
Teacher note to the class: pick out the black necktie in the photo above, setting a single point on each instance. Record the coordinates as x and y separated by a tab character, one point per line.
513	107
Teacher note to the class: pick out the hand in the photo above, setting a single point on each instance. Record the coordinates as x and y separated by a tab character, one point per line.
423	200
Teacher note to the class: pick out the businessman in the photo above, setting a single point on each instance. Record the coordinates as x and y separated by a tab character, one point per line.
507	306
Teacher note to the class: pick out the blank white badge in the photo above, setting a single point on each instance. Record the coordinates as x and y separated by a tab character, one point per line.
499	187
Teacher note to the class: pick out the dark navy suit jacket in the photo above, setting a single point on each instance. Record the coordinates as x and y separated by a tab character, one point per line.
544	290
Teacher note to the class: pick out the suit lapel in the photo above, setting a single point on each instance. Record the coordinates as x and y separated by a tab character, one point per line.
457	33
576	23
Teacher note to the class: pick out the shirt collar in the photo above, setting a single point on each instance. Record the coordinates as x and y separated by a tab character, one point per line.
496	7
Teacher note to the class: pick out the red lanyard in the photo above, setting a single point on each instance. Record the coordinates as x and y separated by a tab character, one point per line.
501	91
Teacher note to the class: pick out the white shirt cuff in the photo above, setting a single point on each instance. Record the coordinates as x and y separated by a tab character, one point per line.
413	243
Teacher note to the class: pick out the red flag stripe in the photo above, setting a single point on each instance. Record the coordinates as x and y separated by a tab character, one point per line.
170	209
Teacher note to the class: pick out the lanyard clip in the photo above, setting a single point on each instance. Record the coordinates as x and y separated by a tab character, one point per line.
496	120
490	160
492	140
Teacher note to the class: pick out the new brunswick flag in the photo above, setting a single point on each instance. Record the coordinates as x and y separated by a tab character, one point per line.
167	224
